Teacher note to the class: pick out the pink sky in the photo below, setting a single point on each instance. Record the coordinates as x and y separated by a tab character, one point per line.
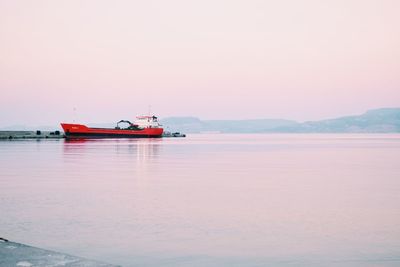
212	59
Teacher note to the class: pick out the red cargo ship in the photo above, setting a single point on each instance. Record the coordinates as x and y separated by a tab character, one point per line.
144	127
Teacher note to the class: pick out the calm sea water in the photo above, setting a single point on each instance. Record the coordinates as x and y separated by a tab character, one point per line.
207	200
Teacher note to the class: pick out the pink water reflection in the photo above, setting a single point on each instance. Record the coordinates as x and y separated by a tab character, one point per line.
208	200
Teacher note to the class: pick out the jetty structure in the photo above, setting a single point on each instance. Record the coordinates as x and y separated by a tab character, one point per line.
142	127
11	135
14	254
31	135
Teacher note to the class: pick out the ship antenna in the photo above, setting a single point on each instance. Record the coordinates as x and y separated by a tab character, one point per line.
149	110
74	114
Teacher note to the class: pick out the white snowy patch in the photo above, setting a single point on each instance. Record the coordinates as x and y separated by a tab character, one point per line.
61	263
24	264
11	247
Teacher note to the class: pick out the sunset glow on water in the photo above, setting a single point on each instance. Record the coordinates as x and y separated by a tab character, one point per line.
208	200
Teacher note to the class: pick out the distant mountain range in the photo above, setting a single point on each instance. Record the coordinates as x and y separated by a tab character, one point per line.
385	120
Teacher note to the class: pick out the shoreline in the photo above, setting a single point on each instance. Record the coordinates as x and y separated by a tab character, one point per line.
21	255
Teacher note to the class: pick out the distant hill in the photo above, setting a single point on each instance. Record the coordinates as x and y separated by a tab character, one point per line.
385	120
195	125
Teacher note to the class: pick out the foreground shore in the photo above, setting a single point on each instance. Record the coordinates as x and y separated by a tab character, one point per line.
15	254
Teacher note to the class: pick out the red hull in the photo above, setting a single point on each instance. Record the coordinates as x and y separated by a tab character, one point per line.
82	131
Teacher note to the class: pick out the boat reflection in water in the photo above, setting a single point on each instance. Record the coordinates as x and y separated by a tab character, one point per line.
142	148
136	155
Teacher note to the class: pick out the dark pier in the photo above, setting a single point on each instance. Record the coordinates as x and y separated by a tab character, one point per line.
31	135
10	135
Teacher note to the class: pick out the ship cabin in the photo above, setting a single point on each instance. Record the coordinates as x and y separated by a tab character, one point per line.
147	122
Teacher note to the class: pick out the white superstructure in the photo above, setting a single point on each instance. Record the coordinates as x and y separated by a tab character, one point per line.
147	122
